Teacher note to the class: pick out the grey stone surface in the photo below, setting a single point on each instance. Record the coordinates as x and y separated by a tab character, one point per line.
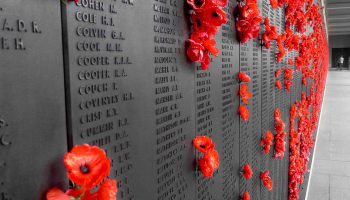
330	178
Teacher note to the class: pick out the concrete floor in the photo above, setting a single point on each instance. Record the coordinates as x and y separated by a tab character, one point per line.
330	179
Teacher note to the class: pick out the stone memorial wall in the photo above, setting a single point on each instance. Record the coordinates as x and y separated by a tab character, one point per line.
114	73
32	102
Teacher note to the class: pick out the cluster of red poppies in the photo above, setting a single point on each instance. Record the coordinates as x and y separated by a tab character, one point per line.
267	142
88	167
248	23
210	160
288	78
280	134
295	165
312	51
270	33
282	51
291	42
266	179
207	17
298	139
245	95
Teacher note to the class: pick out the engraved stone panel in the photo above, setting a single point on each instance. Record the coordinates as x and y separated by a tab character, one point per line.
249	142
216	113
131	92
268	90
32	110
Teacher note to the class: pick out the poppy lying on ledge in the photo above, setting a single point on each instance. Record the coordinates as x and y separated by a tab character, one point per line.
210	160
87	167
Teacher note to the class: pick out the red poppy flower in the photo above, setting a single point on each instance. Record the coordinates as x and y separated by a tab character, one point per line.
274	3
267	142
288	84
195	51
87	165
200	37
278	72
210	46
203	144
264	176
246	196
247	172
244	112
209	163
278	84
244	93
243	77
279	125
108	190
288	76
279	145
56	194
299	63
249	10
202	26
196	4
279	137
247	30
214	16
76	1
288	73
281	49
